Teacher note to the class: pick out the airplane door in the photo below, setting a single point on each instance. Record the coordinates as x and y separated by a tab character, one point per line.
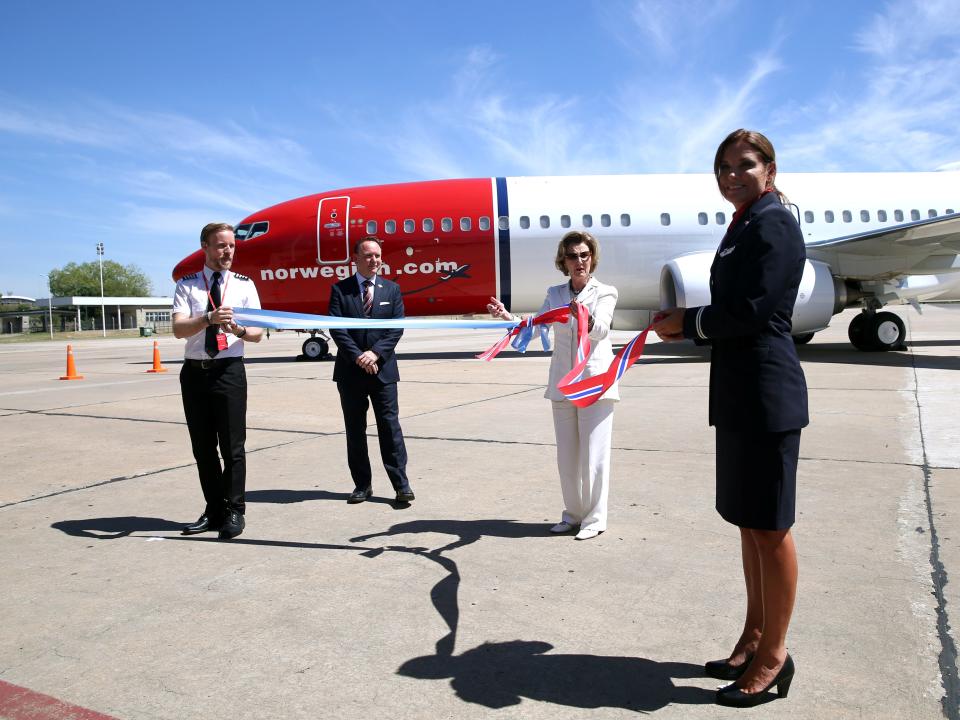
333	230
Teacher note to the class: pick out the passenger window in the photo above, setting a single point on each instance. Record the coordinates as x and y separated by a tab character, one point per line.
544	221
847	217
882	215
465	224
914	214
483	223
625	219
808	216
409	226
371	227
605	220
930	214
390	227
664	219
564	221
702	218
503	222
721	218
949	211
828	215
898	215
524	222
588	220
427	224
446	224
257	230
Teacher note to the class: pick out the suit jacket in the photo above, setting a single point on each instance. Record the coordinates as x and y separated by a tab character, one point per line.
756	382
600	300
346	300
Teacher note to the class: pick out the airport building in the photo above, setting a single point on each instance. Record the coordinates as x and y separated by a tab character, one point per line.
75	313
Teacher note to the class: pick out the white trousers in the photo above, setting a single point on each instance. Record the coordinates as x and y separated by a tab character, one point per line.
583	460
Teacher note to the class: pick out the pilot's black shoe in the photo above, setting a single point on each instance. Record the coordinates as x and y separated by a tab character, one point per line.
360	495
232	526
202	524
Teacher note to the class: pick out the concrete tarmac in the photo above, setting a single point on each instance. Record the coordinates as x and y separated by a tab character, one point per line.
462	605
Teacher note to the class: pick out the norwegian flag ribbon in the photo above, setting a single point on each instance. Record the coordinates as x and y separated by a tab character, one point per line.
560	314
587	391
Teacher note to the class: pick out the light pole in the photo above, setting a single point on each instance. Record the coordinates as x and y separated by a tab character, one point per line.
103	310
50	305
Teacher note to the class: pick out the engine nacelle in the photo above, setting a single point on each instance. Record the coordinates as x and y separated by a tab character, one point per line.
685	282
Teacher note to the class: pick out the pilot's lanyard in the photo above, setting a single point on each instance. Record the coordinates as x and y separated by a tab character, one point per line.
221	336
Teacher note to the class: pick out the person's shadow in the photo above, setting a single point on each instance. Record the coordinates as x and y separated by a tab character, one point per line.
498	675
108	528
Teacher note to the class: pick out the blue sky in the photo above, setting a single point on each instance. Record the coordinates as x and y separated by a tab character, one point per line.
134	123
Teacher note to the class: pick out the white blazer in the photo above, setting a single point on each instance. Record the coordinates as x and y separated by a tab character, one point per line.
600	300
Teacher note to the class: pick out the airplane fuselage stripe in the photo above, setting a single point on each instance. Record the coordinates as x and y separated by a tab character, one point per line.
503	241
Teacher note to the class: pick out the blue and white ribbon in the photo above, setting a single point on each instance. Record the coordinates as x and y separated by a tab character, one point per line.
277	320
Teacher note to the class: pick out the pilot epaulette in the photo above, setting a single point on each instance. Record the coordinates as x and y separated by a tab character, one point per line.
191	277
238	276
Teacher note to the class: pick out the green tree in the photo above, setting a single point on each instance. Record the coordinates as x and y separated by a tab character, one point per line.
84	280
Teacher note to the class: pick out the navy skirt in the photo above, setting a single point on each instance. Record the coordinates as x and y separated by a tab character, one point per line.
757	478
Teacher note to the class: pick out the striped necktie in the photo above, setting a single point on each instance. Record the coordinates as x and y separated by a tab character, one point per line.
367	297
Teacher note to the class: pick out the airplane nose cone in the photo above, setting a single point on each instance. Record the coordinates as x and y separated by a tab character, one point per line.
190	264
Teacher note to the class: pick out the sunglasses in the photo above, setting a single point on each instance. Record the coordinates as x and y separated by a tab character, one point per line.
577	256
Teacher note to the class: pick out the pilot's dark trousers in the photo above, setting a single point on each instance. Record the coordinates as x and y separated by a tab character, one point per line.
215	405
355	398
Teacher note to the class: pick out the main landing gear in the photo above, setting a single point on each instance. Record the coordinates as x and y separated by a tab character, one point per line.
316	348
877	331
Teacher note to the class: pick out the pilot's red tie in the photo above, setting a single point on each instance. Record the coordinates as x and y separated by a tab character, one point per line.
367	297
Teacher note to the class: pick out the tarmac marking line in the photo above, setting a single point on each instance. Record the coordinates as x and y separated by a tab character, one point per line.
19	703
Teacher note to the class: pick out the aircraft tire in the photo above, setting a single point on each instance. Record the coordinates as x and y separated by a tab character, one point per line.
859	332
315	348
803	338
887	332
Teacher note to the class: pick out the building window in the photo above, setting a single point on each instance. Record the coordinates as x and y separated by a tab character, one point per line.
544	221
588	220
160	316
702	218
564	221
605	220
503	222
427	224
483	223
721	218
664	219
371	227
446	224
808	216
409	226
390	227
898	215
524	222
624	219
882	215
465	224
828	215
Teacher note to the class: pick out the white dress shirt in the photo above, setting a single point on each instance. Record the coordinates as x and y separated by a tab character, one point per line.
190	299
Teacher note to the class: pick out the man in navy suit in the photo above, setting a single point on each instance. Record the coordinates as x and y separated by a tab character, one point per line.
366	371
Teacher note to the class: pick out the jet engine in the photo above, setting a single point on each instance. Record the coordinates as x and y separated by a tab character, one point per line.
685	282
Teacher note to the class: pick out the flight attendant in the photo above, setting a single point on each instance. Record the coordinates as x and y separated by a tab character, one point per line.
584	435
758	404
213	381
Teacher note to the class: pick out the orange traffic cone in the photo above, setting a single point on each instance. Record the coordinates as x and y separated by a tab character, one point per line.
71	367
157	367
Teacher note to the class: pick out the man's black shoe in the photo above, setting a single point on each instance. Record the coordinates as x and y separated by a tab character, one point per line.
359	495
203	524
232	526
405	496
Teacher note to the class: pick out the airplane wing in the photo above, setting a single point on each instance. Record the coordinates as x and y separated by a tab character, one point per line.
924	247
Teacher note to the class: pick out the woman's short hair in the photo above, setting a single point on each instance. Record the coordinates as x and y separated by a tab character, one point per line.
368	238
575	237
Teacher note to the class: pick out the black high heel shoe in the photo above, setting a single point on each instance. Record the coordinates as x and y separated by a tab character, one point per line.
723	670
732	696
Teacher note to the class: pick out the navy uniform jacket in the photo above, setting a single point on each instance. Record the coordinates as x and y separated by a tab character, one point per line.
756	382
346	300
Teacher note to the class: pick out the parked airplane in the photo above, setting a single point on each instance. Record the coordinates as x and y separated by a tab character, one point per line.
872	239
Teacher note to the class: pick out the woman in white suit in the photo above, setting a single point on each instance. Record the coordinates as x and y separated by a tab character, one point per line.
583	434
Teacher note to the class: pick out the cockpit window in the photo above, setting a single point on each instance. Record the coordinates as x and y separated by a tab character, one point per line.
242	232
258	229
